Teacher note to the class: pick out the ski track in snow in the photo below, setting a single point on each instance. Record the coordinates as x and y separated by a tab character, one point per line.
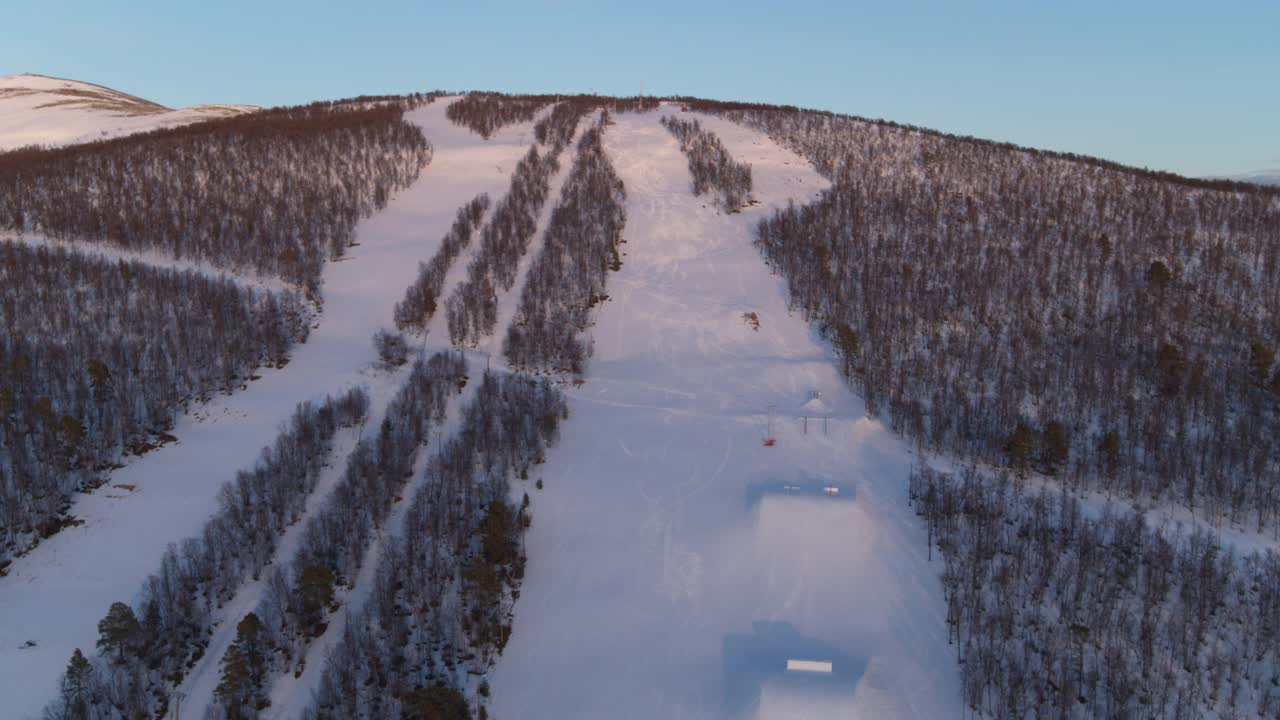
56	594
661	535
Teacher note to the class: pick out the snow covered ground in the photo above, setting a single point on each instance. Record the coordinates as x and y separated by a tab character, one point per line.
55	596
678	567
40	110
676	563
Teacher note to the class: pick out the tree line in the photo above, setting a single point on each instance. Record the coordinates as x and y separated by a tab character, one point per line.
814	134
1056	611
567	278
440	610
1113	327
414	312
484	113
299	600
145	650
97	360
472	309
275	192
710	164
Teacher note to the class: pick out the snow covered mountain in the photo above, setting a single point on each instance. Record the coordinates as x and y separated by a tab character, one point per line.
41	110
1262	177
537	407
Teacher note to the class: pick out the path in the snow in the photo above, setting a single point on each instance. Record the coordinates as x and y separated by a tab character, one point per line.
55	595
672	573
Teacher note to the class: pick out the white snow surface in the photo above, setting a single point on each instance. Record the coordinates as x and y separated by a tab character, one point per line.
41	110
56	594
675	562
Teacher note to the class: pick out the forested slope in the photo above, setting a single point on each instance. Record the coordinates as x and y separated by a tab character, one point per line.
1114	327
960	304
276	193
97	359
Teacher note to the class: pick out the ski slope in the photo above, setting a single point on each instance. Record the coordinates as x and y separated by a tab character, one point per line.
55	595
676	564
40	110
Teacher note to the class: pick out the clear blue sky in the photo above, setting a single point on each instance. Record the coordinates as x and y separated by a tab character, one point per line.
1192	87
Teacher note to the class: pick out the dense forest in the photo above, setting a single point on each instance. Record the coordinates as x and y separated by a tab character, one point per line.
1113	327
711	166
299	600
421	299
567	278
440	610
274	193
97	359
146	649
1057	611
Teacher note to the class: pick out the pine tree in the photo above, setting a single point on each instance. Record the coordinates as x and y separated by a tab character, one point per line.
248	642
1109	451
1260	359
1172	365
77	687
1019	445
234	686
1056	445
117	630
315	593
434	703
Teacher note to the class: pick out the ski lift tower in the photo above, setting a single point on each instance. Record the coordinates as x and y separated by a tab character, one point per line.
769	440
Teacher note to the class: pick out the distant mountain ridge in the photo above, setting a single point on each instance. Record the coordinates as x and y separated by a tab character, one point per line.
42	110
1258	177
1262	177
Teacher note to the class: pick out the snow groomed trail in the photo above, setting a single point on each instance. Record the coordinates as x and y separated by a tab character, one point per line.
61	589
676	564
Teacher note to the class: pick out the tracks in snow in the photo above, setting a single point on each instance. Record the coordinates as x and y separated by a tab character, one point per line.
657	553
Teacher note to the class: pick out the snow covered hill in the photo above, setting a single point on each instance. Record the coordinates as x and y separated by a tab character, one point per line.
40	110
676	563
58	592
1262	177
721	532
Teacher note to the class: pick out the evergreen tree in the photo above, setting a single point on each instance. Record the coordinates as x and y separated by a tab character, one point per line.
117	631
77	687
234	687
1056	446
1260	359
1172	365
1109	451
243	667
1019	446
436	702
315	593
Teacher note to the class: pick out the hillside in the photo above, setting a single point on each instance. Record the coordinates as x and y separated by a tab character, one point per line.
40	110
550	406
